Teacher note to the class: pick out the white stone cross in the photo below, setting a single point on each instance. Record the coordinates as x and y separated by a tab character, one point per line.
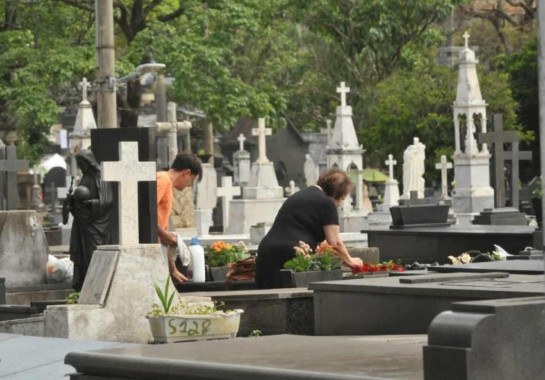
443	166
171	127
84	85
343	90
466	39
241	140
390	162
262	132
226	193
128	171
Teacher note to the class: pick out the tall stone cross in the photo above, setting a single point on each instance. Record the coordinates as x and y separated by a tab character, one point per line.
84	85
241	140
514	155
343	90
443	166
128	171
261	132
9	166
171	127
390	162
226	193
498	138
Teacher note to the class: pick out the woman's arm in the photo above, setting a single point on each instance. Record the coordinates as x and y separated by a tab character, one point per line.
333	237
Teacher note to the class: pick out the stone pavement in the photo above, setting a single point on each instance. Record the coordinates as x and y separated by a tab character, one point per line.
29	357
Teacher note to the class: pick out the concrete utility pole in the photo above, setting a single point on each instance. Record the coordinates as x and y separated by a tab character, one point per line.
106	94
541	89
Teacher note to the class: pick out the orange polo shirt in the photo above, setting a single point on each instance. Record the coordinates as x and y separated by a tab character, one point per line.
164	199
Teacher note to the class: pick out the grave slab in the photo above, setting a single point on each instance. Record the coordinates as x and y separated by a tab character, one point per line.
427	245
273	357
493	339
510	266
392	306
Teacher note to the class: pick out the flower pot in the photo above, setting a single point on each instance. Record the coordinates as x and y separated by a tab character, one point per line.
170	329
291	279
219	273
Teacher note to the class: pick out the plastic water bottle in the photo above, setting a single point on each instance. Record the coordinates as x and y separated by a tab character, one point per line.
197	260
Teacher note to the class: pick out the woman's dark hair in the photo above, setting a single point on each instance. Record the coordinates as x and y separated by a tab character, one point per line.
335	183
185	161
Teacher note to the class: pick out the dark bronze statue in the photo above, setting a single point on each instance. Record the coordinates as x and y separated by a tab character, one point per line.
90	204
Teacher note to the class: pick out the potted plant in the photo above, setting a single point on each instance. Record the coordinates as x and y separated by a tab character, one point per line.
174	320
220	255
309	266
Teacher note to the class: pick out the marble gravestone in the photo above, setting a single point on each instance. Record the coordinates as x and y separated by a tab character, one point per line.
345	152
472	191
241	163
206	199
119	287
262	197
23	248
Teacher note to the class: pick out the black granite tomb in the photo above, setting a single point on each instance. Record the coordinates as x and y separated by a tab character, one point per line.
430	244
504	216
105	147
508	266
415	212
491	339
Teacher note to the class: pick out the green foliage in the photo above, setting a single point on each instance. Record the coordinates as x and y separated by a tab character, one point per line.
306	259
72	298
255	333
165	297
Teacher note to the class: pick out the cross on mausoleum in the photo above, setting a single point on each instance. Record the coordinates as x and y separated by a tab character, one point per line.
514	155
262	132
9	167
241	140
343	90
226	192
390	162
84	85
128	171
443	166
498	138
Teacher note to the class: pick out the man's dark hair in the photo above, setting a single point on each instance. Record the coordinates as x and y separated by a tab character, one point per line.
185	161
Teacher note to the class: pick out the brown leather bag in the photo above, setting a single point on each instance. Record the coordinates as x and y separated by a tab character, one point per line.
242	270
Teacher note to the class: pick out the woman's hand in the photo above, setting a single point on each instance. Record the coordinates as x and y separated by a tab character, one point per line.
355	262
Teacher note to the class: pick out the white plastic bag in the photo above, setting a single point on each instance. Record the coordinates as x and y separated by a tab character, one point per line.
183	252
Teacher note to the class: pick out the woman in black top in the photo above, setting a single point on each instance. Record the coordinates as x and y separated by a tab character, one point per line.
309	215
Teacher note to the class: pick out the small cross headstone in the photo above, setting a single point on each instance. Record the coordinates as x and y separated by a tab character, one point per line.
241	140
443	166
226	193
10	166
128	171
498	138
262	132
390	162
343	90
514	155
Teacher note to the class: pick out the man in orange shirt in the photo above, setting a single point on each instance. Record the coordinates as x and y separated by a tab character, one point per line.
184	170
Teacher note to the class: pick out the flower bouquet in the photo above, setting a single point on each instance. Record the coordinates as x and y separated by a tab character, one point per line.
311	266
307	260
388	266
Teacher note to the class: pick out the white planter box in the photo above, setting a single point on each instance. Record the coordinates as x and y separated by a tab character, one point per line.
169	329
